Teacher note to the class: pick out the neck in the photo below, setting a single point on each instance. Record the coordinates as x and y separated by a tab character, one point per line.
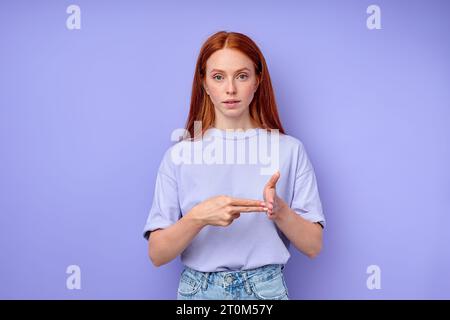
243	123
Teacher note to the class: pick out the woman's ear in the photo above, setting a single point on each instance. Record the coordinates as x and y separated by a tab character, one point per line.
205	88
257	84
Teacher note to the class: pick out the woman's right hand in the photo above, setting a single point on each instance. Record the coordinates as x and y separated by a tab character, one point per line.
222	210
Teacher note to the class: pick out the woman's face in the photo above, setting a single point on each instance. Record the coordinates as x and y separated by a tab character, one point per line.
230	75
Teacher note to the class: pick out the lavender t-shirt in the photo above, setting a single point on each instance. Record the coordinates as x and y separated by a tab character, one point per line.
237	164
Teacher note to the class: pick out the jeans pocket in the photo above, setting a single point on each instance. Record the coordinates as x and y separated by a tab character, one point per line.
188	285
270	289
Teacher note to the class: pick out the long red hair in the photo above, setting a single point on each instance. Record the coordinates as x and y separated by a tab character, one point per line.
263	108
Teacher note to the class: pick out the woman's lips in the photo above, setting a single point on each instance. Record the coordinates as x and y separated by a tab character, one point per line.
231	104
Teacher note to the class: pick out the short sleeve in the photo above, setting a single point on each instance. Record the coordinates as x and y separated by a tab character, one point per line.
165	209
306	200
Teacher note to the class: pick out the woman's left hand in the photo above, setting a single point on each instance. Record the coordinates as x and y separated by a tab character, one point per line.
273	202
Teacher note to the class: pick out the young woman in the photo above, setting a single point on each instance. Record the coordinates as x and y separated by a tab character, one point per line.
230	216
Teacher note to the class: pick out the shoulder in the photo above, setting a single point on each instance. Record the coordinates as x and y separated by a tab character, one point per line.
291	141
287	144
293	148
298	153
177	153
168	160
292	144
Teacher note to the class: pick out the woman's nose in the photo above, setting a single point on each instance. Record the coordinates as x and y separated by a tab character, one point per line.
231	88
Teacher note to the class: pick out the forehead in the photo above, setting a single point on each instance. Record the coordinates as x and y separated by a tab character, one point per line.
228	60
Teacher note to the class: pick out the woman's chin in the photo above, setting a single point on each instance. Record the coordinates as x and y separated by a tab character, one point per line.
233	113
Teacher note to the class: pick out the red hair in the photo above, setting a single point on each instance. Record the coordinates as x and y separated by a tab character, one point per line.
263	108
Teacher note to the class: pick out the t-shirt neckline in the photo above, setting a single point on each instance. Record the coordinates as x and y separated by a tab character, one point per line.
232	134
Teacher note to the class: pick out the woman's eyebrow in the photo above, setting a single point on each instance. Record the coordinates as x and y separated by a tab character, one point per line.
218	70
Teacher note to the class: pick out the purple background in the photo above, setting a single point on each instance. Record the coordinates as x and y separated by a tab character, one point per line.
87	114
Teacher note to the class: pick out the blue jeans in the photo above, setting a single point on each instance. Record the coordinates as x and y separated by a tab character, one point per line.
263	283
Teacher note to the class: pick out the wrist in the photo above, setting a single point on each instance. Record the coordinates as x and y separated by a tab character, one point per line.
280	203
193	217
282	210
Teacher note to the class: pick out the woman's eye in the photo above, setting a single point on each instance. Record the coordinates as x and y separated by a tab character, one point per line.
242	76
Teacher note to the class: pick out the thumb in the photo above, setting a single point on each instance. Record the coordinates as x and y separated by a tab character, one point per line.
273	180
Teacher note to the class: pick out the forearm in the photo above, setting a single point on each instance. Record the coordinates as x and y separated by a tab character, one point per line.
305	235
166	244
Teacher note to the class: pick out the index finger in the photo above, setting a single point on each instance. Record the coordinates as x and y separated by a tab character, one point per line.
247	202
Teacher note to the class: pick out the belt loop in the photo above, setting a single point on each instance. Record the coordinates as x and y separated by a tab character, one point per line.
246	283
205	281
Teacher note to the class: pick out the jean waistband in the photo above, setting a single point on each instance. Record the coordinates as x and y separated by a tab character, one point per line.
219	277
